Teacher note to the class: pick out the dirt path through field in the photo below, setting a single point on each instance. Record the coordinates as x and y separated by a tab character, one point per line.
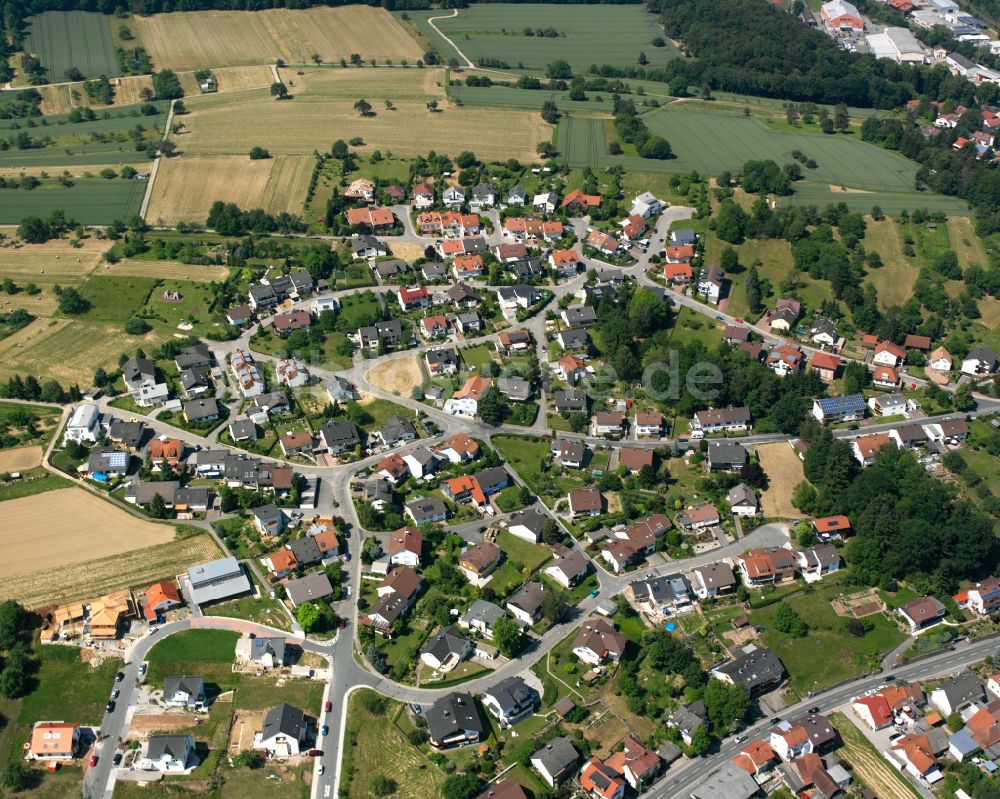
69	526
398	375
20	459
784	472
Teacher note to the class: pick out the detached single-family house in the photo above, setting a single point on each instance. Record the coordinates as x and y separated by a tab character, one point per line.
979	361
922	613
833	410
510	700
168	753
555	761
742	500
598	642
187	692
284	732
454	721
818	561
481	616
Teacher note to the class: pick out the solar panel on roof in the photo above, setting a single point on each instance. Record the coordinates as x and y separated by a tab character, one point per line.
848	403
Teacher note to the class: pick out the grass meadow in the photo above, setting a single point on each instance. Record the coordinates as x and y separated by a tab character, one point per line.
588	34
65	39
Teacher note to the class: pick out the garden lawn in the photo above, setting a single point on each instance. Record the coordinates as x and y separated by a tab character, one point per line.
525	456
986	466
358	309
374	744
479	357
37	481
526	554
67	688
828	653
690	326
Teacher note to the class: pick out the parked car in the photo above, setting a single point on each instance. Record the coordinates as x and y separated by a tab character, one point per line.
328	707
117	758
324	730
110	707
115	693
93	760
120	676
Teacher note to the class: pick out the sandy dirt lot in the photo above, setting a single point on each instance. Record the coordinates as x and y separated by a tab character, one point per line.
69	526
161	723
398	375
408	252
784	472
165	270
19	459
245	724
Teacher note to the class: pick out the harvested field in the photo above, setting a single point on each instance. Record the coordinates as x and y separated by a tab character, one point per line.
50	263
64	97
73	170
196	39
165	270
784	472
69	526
186	187
894	280
966	244
230	79
20	459
869	766
40	349
135	569
398	375
389	84
232	125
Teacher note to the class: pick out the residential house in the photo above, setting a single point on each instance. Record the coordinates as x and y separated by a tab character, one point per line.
287	323
824	333
168	754
979	361
866	447
637	764
426	510
397	593
756	758
481	616
602	242
888	354
579	316
139	376
956	693
423	195
785	314
366	247
818	561
742	500
284	733
445	650
128	434
662	596
826	365
569	453
598	781
648	425
441	361
576	202
729	781
465	401
711	282
453	720
790	742
546	202
984	598
914	754
555	761
709	581
699	516
239	315
459	449
885	377
412	297
311	588
513	341
511	298
516	389
948	431
585	502
421	462
598	642
570	401
339	436
186	692
516	195
647	205
922	613
571	369
453	196
483	196
785	359
435	326
54	740
510	700
610	424
940	360
397	429
635	458
678	274
405	546
908	436
526	603
263	652
569	567
765	566
722	420
479	561
687	720
834	410
829	527
527	524
84	424
160	598
461	295
726	456
756	669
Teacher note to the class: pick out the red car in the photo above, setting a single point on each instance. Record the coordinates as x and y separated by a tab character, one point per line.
93	760
328	707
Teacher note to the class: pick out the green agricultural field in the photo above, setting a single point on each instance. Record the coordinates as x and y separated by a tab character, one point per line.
66	39
115	299
596	34
891	202
92	201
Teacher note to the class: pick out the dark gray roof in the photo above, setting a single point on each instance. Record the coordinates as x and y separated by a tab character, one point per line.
729	781
136	369
512	693
362	243
726	452
397	428
573	400
558	756
574	337
201	409
531	518
580	315
129	433
452	713
528	598
514	388
483	611
964	687
176	746
340	433
448	641
284	720
309	588
305	550
426	508
754	669
197	356
194	686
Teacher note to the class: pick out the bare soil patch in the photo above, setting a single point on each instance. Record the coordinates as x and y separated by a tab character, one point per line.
163	722
245	724
784	472
398	375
